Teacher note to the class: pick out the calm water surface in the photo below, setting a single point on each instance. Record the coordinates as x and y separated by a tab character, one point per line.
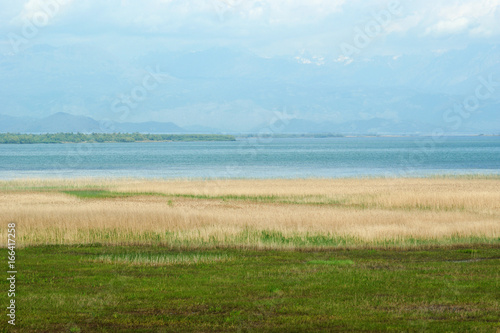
282	158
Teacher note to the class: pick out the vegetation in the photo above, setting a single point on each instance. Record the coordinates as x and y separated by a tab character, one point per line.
77	289
312	255
292	136
11	138
277	214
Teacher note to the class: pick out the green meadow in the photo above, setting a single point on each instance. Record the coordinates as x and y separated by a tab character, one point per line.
152	289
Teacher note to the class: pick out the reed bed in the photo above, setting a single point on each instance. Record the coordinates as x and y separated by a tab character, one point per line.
299	213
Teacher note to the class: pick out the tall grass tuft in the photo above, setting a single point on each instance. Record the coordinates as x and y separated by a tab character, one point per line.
140	259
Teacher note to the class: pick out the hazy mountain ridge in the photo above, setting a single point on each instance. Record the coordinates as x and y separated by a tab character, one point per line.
64	122
235	90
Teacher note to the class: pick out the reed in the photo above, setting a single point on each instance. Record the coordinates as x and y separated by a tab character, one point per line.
299	213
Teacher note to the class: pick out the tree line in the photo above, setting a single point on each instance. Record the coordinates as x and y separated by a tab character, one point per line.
17	138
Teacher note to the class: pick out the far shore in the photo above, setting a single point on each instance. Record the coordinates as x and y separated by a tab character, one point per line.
72	138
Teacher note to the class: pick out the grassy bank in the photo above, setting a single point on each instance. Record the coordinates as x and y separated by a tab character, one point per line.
154	289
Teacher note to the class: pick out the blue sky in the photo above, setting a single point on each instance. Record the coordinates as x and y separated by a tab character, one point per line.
325	55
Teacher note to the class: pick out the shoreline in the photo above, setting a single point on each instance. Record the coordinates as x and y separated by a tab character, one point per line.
493	175
225	137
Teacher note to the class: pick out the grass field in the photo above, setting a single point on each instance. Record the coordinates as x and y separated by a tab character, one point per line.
155	289
255	213
306	255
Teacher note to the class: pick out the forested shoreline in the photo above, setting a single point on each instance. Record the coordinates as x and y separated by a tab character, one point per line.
16	138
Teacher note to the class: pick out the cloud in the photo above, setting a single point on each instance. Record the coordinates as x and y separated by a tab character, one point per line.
444	18
466	17
272	26
458	25
40	12
160	14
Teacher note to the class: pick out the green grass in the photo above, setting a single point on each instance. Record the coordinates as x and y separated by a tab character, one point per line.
63	289
139	259
331	262
104	194
315	200
305	199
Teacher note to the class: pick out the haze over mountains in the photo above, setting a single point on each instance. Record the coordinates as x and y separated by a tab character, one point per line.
64	122
235	66
232	90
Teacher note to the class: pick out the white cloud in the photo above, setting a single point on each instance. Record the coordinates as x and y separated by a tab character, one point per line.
437	18
455	26
41	12
466	16
273	26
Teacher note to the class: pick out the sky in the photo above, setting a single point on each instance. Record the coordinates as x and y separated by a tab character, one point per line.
268	27
82	56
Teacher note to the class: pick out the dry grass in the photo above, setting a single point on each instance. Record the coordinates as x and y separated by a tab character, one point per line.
257	213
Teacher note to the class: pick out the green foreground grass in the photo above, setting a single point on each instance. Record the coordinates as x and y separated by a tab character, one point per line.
154	289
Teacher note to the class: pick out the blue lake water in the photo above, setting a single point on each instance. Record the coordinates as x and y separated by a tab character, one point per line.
270	158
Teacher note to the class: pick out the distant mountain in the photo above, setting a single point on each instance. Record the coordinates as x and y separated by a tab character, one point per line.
196	129
14	124
368	126
235	90
65	122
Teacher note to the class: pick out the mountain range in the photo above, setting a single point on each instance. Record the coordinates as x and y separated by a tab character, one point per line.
64	122
233	90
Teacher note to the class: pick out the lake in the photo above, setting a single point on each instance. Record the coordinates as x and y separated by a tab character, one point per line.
252	158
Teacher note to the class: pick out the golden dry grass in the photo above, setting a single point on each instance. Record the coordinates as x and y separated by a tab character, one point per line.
258	213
